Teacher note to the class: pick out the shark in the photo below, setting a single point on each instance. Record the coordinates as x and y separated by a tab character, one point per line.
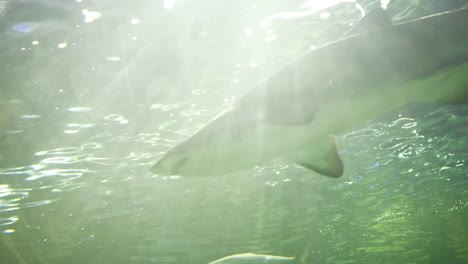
246	258
376	68
253	258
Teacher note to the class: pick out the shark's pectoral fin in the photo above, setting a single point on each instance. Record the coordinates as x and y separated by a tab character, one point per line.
323	158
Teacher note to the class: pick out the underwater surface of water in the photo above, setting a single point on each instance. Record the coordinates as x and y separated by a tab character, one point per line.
92	93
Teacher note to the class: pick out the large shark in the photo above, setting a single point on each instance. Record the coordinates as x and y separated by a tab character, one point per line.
377	68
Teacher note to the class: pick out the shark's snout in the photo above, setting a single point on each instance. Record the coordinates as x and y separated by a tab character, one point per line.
168	166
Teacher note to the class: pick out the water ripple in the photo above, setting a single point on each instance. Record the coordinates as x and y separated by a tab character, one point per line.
8	221
69	173
38	203
69	187
10	198
79	109
16	171
64	160
70	150
117	118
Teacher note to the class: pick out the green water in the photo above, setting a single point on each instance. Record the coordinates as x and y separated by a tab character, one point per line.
92	93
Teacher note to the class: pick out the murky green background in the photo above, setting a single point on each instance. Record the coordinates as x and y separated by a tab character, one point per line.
92	93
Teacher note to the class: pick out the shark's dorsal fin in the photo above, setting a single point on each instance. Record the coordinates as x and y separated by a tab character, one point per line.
374	20
324	160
